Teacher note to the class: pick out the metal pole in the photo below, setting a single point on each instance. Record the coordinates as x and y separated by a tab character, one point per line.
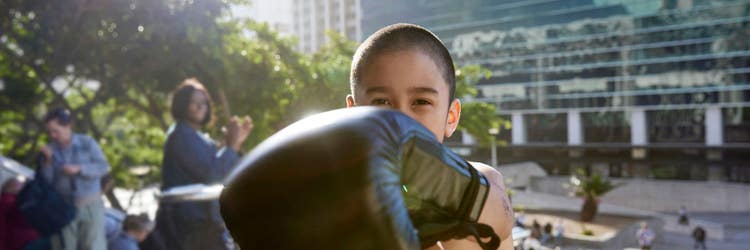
493	139
494	153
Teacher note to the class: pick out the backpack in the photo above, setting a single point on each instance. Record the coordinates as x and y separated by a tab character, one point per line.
45	209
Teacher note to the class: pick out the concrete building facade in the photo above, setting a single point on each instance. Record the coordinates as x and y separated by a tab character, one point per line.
311	19
625	88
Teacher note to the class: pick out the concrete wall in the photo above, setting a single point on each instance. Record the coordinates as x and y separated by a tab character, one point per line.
551	185
558	185
656	195
518	175
662	195
713	230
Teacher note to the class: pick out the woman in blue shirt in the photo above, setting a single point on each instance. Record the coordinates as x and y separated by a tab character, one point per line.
191	157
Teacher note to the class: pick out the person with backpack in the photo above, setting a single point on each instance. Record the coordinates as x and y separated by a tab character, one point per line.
699	235
74	164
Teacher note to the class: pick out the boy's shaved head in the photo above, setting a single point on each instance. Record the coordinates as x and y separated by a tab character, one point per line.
399	37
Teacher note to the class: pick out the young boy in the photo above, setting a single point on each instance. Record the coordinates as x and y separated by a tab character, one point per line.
407	68
135	229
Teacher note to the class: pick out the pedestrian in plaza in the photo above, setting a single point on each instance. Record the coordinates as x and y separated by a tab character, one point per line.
74	163
645	236
683	218
546	233
699	235
559	231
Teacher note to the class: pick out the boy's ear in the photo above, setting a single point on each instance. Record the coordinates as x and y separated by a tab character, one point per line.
349	101
454	114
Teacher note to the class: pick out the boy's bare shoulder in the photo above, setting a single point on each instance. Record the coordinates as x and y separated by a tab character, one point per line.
493	175
497	212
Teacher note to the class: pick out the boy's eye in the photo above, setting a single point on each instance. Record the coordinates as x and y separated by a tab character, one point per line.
380	101
422	102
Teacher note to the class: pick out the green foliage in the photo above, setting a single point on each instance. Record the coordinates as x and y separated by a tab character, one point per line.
114	64
476	117
130	139
591	186
331	66
135	51
586	231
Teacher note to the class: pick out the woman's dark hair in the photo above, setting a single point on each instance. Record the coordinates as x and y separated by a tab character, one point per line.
61	115
181	100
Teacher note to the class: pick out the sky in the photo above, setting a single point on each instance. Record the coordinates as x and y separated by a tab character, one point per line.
271	11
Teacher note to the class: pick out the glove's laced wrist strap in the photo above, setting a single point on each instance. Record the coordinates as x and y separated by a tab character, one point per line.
465	229
466	225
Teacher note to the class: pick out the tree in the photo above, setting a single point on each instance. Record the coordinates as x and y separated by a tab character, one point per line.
330	68
590	188
476	117
114	64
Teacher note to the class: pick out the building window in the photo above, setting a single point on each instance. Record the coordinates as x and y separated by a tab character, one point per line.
736	124
546	128
676	126
605	127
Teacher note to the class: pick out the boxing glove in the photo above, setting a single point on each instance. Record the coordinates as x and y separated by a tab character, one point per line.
359	178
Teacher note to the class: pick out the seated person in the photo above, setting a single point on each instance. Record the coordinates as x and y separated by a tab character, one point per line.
15	232
135	229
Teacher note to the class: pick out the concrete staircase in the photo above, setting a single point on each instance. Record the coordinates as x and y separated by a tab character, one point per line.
678	241
726	231
714	230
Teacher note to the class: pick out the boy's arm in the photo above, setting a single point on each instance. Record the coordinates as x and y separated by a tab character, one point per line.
497	211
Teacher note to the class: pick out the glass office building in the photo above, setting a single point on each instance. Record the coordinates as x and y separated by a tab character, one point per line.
647	88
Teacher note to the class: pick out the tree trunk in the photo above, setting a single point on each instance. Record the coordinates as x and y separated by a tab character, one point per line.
110	195
589	209
225	104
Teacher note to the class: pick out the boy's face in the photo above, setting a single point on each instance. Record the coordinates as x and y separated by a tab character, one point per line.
411	82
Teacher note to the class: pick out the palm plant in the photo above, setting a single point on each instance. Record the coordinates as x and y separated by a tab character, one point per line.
590	188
